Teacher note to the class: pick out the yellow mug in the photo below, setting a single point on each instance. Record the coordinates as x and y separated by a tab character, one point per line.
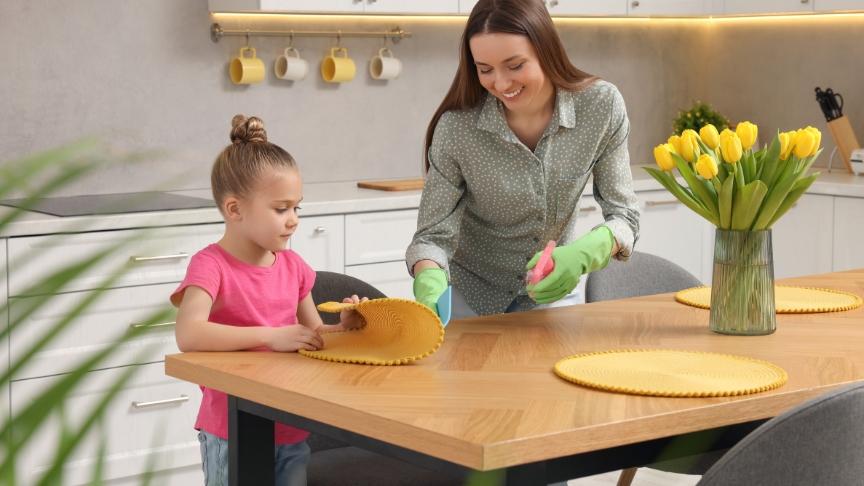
246	70
337	67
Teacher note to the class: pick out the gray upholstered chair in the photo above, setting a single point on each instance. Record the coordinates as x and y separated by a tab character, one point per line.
643	274
335	463
646	274
818	442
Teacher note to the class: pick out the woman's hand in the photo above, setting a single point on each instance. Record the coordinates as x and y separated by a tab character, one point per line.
587	254
429	284
292	338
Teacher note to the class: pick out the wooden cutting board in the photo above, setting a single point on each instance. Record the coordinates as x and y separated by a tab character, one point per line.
393	185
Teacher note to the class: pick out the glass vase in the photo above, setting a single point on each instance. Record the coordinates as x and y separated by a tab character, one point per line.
742	286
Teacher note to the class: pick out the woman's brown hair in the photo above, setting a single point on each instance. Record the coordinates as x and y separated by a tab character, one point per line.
523	17
242	163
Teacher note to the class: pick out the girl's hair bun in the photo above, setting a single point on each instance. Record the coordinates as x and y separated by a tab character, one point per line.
247	130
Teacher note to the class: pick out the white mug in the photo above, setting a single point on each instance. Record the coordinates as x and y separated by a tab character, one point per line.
290	66
384	65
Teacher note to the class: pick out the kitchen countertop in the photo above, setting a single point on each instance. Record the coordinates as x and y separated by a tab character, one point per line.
320	199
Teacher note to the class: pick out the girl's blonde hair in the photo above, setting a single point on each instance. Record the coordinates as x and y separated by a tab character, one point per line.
239	167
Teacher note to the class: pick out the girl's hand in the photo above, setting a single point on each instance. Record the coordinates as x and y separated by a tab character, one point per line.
350	319
288	339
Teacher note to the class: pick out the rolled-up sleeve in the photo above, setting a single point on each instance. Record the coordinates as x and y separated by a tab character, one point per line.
441	206
613	188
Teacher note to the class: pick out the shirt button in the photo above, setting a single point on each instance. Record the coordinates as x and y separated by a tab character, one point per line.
510	292
528	258
519	277
536	240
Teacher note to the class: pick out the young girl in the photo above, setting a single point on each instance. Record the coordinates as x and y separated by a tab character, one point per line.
508	153
247	292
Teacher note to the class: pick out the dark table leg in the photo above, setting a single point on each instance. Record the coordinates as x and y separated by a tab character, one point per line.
251	450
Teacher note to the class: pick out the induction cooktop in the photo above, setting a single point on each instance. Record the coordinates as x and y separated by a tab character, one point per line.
132	202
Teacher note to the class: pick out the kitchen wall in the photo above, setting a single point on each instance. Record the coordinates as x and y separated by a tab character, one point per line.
766	70
145	75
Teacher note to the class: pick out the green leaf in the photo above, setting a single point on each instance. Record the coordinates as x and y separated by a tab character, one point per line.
776	195
680	193
798	189
699	190
747	203
769	161
726	194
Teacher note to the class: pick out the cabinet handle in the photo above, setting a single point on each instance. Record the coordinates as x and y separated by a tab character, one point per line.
138	325
156	403
634	3
177	256
805	1
653	204
320	229
589	209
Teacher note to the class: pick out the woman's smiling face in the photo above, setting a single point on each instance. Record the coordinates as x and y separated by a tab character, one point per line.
508	67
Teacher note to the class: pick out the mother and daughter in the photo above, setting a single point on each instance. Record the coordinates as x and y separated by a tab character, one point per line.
508	155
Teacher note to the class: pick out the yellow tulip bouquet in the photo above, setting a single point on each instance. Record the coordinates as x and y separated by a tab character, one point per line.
728	182
743	192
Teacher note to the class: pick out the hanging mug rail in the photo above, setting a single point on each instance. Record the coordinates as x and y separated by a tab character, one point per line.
217	32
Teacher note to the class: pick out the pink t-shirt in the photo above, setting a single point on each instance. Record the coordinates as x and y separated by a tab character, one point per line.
246	295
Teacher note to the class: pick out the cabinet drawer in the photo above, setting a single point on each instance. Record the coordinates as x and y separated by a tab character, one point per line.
391	278
99	326
378	237
671	230
137	426
320	241
152	256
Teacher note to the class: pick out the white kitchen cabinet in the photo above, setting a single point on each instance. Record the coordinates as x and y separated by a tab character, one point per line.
673	231
465	6
766	6
4	343
586	7
412	6
320	241
299	6
149	256
637	8
97	328
803	238
149	422
390	278
379	236
375	245
848	233
837	5
338	6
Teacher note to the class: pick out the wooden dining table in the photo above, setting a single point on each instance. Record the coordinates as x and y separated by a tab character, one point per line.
488	399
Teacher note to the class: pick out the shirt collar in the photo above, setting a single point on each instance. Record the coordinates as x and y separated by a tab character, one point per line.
492	114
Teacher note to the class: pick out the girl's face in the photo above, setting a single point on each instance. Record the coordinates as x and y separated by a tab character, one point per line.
268	217
508	67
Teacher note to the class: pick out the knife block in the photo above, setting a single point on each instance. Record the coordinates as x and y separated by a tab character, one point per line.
844	137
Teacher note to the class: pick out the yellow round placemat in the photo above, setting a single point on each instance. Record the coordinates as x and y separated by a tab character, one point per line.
787	299
671	373
397	331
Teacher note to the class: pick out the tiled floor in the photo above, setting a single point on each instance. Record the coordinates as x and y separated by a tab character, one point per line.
644	477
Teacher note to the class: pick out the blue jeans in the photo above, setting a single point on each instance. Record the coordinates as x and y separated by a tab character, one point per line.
291	461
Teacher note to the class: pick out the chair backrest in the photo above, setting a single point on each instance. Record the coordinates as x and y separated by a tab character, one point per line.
818	442
642	274
332	286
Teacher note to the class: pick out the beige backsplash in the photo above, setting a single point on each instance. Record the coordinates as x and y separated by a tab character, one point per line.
147	76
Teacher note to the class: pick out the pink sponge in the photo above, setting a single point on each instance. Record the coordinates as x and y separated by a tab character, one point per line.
544	265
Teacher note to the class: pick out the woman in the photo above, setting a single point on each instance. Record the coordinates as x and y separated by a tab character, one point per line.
508	154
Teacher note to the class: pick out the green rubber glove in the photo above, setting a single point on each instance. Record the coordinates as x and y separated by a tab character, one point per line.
587	254
429	284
